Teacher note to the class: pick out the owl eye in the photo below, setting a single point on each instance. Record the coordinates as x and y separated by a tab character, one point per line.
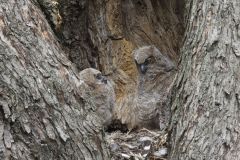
98	76
148	60
101	78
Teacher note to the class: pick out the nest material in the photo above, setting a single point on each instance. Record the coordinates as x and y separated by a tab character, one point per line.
139	145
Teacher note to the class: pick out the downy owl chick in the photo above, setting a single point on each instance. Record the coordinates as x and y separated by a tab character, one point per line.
99	92
155	76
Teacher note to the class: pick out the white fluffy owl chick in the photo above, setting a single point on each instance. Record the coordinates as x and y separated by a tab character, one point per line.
99	92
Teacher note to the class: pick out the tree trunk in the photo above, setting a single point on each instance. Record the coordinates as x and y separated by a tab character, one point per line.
205	105
41	113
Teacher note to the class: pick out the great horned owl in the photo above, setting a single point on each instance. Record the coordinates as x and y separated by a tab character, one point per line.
98	91
155	75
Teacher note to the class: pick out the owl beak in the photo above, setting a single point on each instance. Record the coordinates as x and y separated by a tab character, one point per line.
104	79
143	68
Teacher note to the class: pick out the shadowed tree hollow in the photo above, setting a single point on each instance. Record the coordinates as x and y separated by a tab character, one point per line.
44	44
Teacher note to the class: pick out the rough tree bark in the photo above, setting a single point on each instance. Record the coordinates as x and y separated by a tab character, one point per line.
41	113
205	121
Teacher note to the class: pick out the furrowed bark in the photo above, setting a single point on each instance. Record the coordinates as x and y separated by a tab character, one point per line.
205	121
41	113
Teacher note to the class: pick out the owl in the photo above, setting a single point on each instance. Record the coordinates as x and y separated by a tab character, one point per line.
155	76
98	91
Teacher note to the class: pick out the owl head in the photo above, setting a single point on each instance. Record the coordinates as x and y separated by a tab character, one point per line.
92	77
149	57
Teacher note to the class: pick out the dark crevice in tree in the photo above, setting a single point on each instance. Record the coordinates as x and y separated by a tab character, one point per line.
116	125
51	10
76	39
